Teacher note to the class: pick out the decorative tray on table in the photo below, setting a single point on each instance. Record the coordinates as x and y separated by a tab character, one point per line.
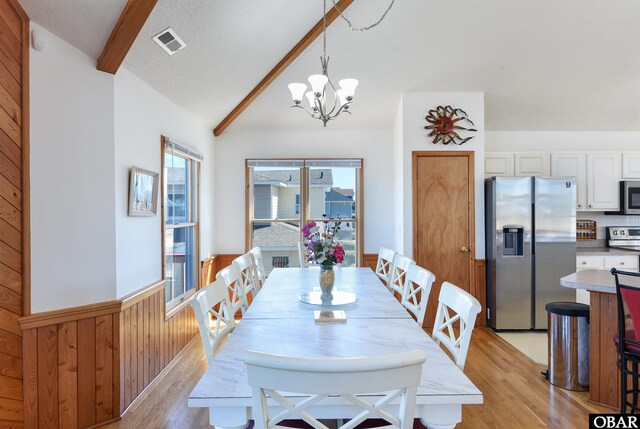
339	298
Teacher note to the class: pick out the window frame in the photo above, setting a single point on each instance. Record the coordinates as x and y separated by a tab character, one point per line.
305	209
177	304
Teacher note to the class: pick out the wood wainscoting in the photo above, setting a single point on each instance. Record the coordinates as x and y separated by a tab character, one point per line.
84	366
15	269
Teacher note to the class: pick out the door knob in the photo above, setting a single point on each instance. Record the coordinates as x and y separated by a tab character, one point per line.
464	249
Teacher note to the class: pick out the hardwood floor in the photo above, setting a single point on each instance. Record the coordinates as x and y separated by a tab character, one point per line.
515	394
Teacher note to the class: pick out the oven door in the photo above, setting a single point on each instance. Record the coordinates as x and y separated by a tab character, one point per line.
631	194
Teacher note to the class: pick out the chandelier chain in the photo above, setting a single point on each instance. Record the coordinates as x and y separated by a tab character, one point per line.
369	27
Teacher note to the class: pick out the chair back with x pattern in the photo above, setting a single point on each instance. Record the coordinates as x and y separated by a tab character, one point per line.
213	300
399	270
465	308
384	264
249	278
417	287
232	276
258	266
314	379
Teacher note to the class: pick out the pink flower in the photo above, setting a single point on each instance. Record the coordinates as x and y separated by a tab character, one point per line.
306	229
338	253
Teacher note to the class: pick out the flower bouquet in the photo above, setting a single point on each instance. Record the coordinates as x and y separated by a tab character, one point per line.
322	248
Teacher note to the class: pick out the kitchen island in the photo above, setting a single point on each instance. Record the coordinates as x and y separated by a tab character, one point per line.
604	377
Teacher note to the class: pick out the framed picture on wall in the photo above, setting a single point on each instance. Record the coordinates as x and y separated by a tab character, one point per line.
143	192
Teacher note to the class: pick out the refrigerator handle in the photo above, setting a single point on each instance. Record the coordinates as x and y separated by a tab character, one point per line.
533	226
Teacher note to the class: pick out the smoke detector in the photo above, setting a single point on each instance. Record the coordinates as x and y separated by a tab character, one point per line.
169	41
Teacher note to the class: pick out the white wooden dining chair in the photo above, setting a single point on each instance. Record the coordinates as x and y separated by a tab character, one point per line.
232	277
417	287
465	308
314	379
213	300
302	253
399	270
249	279
385	264
258	265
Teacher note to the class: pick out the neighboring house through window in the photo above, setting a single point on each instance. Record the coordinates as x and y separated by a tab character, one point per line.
181	233
284	194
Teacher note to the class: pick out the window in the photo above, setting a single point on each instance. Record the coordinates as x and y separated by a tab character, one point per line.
284	194
180	179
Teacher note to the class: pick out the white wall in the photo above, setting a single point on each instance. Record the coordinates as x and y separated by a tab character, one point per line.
72	175
232	148
506	141
398	225
415	106
142	115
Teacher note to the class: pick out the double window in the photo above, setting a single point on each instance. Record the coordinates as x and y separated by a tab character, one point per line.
282	195
180	180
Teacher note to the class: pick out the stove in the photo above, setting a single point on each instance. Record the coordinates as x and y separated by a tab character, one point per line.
624	237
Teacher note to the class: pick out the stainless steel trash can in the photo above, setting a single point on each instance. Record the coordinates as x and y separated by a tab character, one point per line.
568	345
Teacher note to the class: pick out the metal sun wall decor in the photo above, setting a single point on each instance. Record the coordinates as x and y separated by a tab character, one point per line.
444	121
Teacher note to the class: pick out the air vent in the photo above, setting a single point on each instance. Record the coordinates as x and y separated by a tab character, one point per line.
169	41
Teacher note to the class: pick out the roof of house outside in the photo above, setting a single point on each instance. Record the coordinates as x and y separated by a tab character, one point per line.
321	176
277	234
335	195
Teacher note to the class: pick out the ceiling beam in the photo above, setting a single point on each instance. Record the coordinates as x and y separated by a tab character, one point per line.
282	65
124	33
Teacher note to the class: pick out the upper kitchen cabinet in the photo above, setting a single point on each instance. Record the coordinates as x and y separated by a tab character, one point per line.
566	164
498	164
603	178
631	165
531	164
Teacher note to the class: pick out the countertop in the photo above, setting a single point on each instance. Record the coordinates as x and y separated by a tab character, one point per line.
605	251
595	281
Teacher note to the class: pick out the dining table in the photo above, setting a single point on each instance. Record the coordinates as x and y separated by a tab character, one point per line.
278	322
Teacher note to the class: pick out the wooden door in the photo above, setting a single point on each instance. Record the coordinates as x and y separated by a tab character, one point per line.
443	219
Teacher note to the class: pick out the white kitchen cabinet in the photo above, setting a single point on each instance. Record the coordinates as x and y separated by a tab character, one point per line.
620	261
531	164
631	165
498	164
603	181
567	164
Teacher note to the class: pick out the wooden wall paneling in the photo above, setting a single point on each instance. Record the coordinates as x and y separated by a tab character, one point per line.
157	321
140	352
208	267
11	366
30	380
104	368
47	377
68	375
87	372
145	351
480	290
118	374
128	354
10	279
370	260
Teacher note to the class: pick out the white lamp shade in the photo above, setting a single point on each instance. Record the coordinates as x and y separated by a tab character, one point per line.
342	97
318	81
312	99
349	87
297	91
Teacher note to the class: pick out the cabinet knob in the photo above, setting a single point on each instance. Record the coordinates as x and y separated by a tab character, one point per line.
584	262
579	206
621	263
589	205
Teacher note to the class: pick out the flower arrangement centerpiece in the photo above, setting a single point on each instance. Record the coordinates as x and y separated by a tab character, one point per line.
322	248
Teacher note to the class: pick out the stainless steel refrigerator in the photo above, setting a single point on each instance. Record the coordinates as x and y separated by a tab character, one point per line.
530	244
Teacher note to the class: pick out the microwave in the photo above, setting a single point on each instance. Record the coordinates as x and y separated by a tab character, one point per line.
630	197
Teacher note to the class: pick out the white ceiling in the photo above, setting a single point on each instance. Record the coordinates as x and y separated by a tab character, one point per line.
543	65
86	24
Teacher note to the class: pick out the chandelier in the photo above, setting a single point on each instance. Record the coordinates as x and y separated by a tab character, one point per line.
325	101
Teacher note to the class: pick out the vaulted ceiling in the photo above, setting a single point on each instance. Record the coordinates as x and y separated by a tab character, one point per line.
543	65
